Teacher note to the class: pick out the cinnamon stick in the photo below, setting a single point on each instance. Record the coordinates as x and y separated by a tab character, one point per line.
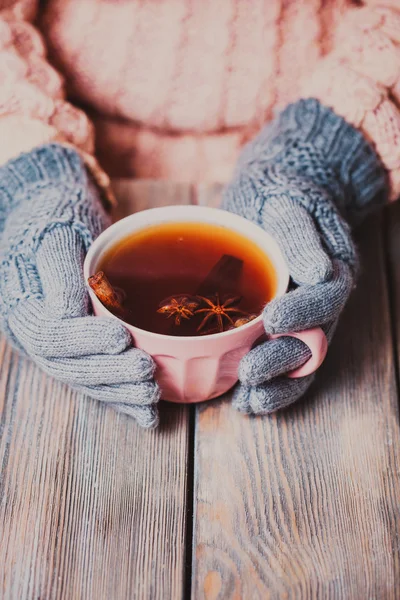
106	293
223	277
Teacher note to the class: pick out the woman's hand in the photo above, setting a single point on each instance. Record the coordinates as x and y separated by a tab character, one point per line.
291	180
50	213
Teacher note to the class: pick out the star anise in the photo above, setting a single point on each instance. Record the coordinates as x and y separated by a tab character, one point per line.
219	312
182	307
244	320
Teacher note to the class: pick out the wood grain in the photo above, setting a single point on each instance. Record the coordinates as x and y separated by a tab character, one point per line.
91	506
304	504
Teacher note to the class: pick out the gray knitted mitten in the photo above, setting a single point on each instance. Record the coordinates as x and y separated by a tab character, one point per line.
302	179
50	213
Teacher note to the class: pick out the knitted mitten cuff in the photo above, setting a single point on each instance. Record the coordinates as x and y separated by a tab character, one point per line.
309	144
311	157
40	192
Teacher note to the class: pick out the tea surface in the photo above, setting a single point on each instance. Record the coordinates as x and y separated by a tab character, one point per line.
195	262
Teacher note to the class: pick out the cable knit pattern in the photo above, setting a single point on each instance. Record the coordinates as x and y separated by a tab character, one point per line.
50	214
177	88
31	87
360	80
192	82
33	108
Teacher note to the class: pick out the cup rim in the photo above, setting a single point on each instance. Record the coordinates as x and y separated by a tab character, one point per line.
106	239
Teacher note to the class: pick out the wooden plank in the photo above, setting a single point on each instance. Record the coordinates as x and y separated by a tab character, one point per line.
304	504
91	506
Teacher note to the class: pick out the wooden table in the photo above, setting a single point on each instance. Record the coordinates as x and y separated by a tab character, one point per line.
214	504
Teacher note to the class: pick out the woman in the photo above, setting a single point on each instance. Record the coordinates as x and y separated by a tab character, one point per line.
174	89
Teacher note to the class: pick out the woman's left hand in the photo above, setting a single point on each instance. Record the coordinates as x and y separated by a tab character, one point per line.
289	182
323	285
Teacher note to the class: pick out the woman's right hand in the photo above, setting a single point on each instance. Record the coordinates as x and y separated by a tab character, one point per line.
50	213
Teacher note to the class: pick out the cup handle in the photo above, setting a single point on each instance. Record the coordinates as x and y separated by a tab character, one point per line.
316	340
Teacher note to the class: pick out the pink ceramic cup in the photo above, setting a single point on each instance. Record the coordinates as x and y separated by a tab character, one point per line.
192	369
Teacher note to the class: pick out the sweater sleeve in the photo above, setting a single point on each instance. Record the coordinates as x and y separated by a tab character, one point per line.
360	80
33	106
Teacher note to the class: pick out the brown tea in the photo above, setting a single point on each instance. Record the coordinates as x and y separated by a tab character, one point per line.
188	278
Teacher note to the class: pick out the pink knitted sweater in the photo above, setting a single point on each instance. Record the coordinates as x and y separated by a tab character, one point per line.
175	87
